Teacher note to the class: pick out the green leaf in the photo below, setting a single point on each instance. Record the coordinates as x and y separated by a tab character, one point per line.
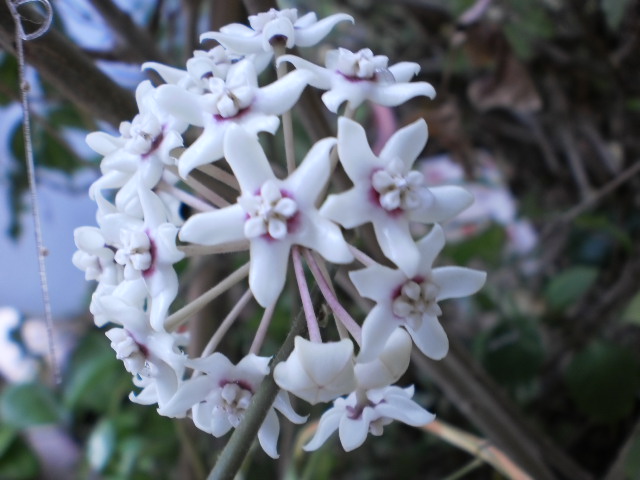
569	286
19	462
614	11
512	351
29	404
603	381
632	312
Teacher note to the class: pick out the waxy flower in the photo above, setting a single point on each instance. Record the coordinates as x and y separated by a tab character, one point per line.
219	398
235	100
412	301
388	193
388	366
275	25
316	371
365	412
356	77
273	214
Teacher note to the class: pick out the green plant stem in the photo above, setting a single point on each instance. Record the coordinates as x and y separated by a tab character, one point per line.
237	447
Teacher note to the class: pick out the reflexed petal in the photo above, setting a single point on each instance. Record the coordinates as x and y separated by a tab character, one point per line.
353	149
206	149
328	424
407	143
448	201
216	227
268	269
247	159
353	433
312	34
252	43
350	209
335	97
168	74
279	96
103	143
177	101
404	71
404	410
396	243
430	338
457	282
376	330
377	282
398	93
190	393
321	77
390	365
283	405
268	434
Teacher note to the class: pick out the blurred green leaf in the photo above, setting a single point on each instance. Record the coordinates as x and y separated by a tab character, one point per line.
614	11
488	246
18	461
8	79
603	381
632	311
569	286
28	404
512	351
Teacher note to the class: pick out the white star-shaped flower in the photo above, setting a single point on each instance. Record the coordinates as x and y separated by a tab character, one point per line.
356	77
273	25
235	100
218	399
388	193
273	214
365	412
412	301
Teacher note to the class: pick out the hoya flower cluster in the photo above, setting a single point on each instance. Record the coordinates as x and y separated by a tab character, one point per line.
283	213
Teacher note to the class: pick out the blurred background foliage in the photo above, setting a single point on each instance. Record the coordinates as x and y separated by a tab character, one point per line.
545	92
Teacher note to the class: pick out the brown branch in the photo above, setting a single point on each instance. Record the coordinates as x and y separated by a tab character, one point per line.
70	71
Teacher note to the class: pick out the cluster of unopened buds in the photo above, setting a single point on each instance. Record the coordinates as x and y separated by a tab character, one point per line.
280	218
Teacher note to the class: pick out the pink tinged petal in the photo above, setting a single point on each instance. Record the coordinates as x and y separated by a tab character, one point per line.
390	365
283	405
247	159
278	27
216	227
404	410
430	246
398	93
268	434
377	282
247	42
447	202
404	71
407	143
310	178
353	149
268	269
324	237
103	143
353	432
279	96
430	338
168	74
207	148
328	424
190	393
314	33
457	282
396	243
180	103
350	209
376	331
320	78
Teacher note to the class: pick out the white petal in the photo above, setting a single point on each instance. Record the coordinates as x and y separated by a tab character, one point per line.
190	393
168	74
430	338
407	143
398	93
103	143
396	243
247	159
406	411
321	76
279	96
283	405
268	269
278	27
310	178
390	365
216	227
206	149
457	282
324	237
268	434
353	149
404	71
177	101
448	201
251	43
430	246
328	424
311	35
352	433
376	330
350	209
377	282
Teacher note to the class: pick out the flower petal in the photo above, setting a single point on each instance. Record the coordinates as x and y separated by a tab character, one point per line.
216	227
268	434
355	154
430	338
405	410
457	282
377	282
349	209
177	101
247	159
398	93
376	330
268	269
312	34
404	71
353	433
448	201
328	424
396	243
206	149
407	143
